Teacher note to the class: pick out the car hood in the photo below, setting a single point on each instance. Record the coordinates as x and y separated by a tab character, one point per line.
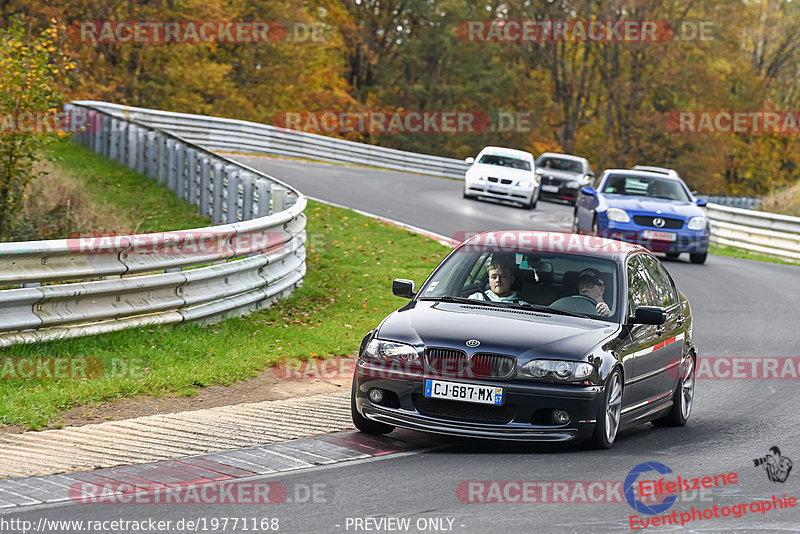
561	175
482	169
526	335
659	206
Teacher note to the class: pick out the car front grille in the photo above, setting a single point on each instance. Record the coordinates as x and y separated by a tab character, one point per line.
456	363
464	411
647	220
504	181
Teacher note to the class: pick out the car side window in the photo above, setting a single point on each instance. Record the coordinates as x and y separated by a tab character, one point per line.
639	292
664	292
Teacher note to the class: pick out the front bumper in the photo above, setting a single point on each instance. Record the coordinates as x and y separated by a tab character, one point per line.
500	192
525	402
564	192
692	241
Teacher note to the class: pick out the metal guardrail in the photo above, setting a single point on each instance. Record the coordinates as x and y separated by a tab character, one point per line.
749	203
216	133
756	231
253	256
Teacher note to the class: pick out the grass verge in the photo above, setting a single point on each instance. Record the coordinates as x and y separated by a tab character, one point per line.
734	252
347	291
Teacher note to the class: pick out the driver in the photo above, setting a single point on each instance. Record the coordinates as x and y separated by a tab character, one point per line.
591	285
501	279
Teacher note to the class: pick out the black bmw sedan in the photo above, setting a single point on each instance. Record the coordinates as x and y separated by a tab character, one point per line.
531	336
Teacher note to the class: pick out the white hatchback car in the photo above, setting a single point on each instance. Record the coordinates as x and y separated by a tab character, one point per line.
503	174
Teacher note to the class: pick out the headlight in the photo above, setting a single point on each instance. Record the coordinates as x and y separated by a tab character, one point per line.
618	215
558	370
573	183
391	351
697	223
524	184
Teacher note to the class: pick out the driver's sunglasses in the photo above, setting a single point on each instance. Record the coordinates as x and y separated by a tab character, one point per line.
587	285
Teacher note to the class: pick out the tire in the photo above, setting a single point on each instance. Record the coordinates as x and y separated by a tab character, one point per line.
595	227
610	414
575	229
683	399
363	424
698	258
672	255
534	199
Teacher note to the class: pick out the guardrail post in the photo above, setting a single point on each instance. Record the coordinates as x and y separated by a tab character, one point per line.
180	171
141	150
152	156
264	190
133	146
248	190
172	164
122	142
217	198
161	162
191	176
113	139
232	204
205	185
278	197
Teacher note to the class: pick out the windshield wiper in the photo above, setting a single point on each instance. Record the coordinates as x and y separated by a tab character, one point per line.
464	300
541	308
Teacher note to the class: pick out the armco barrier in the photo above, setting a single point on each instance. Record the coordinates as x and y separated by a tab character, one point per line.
255	254
216	133
756	231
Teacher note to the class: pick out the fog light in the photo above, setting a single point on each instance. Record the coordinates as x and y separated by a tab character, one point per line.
375	395
560	417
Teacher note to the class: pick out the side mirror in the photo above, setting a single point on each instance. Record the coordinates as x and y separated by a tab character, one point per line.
589	191
470	160
403	288
702	202
649	315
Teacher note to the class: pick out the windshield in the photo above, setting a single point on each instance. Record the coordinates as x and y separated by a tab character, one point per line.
558	164
645	186
505	161
569	284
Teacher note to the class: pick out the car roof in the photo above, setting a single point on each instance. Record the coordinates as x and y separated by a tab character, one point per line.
587	245
500	151
660	170
562	156
649	174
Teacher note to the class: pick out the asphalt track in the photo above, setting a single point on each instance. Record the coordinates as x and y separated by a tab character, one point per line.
742	309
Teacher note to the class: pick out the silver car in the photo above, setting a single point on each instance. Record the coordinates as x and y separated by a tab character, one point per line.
563	175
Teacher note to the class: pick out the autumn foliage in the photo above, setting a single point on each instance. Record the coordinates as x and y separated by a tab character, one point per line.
609	100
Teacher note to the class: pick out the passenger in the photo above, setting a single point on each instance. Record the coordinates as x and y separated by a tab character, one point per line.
591	285
501	279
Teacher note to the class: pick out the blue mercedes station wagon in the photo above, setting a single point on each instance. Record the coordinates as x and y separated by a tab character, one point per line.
531	336
652	209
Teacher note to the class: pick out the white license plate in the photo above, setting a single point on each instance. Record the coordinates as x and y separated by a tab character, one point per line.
550	188
439	389
498	189
660	236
